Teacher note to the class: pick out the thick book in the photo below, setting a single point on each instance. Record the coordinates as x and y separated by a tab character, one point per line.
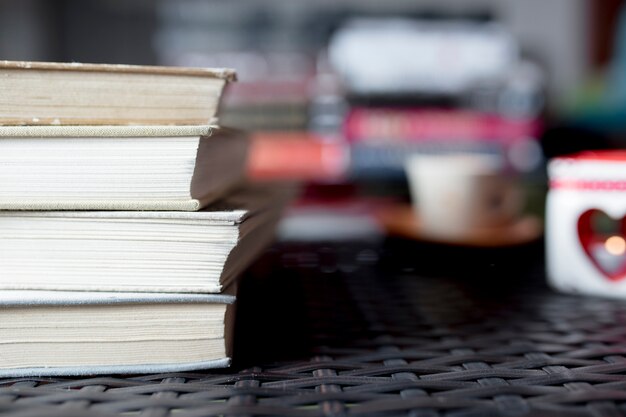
144	251
46	333
118	167
50	93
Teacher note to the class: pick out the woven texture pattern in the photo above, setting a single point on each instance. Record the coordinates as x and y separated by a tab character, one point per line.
395	330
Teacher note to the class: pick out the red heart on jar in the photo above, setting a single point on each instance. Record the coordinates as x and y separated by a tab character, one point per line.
603	239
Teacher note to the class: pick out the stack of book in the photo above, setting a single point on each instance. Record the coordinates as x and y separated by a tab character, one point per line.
436	86
124	223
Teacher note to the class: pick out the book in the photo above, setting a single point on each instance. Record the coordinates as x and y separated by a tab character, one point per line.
389	124
275	102
143	251
49	93
118	167
381	137
296	155
377	56
87	333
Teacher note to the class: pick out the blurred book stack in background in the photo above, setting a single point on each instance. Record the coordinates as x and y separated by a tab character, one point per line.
438	86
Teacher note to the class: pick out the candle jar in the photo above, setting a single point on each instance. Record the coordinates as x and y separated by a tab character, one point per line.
585	223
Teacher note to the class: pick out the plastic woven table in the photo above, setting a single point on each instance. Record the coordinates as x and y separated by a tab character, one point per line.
382	329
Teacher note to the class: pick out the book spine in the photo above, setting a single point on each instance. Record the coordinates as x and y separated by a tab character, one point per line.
387	125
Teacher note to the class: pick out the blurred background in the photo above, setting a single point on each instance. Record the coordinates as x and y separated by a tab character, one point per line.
338	94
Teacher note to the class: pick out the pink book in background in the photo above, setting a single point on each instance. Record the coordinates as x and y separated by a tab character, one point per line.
388	125
296	155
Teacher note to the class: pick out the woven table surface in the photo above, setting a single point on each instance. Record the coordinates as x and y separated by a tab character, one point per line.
395	328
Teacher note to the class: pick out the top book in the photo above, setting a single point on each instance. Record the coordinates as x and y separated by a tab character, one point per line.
50	93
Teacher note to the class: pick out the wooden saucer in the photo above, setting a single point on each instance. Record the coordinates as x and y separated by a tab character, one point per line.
401	221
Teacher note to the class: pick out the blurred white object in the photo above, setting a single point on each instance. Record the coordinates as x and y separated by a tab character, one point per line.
583	255
328	224
455	195
400	55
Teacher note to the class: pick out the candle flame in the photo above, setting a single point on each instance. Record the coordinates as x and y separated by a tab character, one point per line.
615	245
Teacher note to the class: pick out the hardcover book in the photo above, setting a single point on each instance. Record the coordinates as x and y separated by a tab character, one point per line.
50	93
144	251
118	167
81	333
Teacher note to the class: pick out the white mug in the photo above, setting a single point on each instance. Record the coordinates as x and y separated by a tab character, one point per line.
457	194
